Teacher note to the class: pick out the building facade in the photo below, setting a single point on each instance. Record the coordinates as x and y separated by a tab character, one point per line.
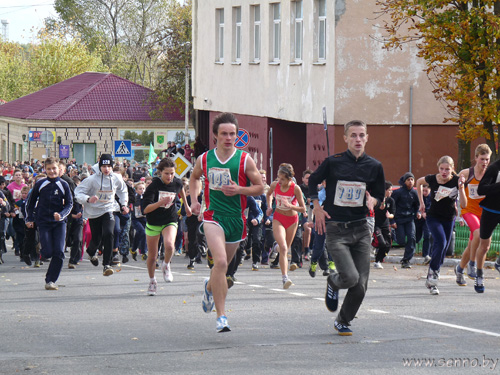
277	64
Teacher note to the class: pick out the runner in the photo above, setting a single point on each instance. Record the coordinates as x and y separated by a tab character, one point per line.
228	173
97	194
355	184
53	201
289	201
162	219
472	212
445	187
490	217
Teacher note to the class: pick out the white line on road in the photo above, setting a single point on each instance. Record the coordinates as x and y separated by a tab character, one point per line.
320	299
299	294
255	286
278	290
451	325
380	311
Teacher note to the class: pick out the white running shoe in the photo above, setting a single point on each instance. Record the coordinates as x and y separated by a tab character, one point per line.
377	265
167	273
153	286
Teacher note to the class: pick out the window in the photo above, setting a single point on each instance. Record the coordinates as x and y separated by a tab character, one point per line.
14	152
21	157
321	30
219	36
276	32
237	34
298	26
255	32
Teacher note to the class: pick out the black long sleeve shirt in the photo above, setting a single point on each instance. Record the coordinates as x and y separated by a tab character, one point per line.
490	186
347	180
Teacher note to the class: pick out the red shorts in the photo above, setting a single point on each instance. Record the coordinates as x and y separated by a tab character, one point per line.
286	221
472	222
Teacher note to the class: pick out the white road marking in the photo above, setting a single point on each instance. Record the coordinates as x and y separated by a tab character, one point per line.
380	311
255	286
278	290
320	299
451	325
299	294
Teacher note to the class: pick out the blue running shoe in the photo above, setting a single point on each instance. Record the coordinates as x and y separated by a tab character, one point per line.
208	301
222	325
497	266
342	329
331	296
479	284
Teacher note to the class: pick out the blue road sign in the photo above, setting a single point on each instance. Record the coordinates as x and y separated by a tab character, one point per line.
242	139
123	149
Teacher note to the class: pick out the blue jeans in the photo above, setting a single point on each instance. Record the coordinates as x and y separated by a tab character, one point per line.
405	235
422	231
140	243
441	232
319	252
350	250
52	244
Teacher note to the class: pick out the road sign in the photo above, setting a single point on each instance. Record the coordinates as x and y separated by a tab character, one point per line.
47	137
123	148
182	165
242	139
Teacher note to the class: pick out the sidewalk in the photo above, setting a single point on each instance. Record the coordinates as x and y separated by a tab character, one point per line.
396	254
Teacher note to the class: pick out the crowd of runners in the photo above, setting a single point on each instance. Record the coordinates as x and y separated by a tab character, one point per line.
226	213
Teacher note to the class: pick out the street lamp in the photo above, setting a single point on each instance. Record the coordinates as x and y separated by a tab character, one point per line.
187	45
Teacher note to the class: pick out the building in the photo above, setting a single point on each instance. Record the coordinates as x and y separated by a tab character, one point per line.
277	64
85	114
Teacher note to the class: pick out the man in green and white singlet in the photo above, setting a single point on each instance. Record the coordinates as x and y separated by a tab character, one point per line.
230	176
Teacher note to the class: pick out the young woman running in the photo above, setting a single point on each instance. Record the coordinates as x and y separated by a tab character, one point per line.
162	219
289	201
445	187
472	212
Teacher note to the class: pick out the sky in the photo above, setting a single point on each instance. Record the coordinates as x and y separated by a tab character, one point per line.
24	16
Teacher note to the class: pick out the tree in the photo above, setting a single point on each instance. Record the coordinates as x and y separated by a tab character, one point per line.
177	53
460	43
128	31
15	76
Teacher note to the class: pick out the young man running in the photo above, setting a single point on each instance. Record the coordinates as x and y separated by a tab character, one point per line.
228	173
97	194
355	184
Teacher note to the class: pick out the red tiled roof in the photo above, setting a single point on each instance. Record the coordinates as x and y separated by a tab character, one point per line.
88	96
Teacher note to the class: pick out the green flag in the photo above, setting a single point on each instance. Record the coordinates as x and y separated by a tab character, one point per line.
152	155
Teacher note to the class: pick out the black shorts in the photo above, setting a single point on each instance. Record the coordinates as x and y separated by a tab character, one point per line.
489	221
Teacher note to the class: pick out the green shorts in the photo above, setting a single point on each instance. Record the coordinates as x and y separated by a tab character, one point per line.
155	230
233	226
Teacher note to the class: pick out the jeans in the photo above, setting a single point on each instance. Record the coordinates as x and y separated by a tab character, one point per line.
121	237
140	242
75	229
350	250
256	241
53	242
405	235
422	231
441	232
319	252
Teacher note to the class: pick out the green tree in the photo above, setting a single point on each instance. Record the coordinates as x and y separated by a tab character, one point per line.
15	75
460	42
177	52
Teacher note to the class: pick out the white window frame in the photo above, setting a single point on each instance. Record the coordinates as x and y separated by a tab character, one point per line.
237	37
321	30
276	32
255	31
298	30
219	35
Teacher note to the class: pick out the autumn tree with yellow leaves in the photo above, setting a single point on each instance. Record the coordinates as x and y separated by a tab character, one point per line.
460	43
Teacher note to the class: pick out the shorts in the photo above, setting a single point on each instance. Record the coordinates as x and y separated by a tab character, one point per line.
155	230
472	221
489	221
286	221
233	226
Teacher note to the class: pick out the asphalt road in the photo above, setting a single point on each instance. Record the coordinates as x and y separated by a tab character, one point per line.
108	325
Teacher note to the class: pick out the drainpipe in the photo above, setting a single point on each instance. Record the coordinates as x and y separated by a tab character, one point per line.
8	142
411	124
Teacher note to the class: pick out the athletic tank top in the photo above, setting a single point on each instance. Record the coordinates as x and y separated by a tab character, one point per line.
473	199
218	174
288	196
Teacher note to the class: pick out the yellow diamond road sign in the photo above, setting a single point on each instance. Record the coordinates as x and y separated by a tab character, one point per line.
182	165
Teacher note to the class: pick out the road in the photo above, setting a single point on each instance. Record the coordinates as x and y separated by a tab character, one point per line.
107	325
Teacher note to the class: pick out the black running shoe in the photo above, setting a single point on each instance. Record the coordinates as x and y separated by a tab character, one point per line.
331	295
27	260
134	255
94	260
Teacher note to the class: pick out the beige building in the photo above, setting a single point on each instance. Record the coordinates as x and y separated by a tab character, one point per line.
276	64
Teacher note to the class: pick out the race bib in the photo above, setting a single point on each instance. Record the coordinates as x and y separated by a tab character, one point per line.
350	193
280	202
444	192
165	194
473	192
137	211
16	194
218	177
105	196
